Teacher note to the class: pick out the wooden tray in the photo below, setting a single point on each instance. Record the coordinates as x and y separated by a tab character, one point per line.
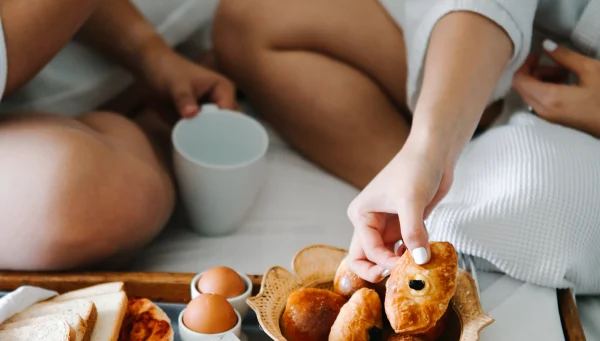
175	288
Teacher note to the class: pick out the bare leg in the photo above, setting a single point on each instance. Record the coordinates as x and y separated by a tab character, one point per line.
77	193
329	75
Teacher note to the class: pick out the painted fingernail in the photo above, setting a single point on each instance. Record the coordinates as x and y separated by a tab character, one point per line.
385	273
419	255
549	45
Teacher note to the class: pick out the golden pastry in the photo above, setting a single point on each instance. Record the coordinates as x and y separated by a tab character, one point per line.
418	295
406	337
309	314
360	319
347	282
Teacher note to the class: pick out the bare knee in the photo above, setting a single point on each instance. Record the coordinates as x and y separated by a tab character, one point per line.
73	200
242	29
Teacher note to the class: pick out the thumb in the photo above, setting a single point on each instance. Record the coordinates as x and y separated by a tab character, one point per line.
414	233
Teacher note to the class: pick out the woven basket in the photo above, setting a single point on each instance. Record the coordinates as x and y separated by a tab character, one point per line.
315	267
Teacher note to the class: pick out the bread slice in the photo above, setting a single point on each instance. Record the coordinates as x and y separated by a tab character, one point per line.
100	289
54	330
73	320
111	311
82	307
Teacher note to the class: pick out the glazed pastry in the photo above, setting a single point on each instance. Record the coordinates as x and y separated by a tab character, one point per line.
347	282
309	314
432	334
418	295
360	319
406	337
437	330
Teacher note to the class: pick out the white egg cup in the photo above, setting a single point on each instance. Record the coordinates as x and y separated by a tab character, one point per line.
186	334
238	302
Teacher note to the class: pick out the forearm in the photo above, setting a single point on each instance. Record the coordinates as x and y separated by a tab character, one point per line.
35	31
119	31
466	56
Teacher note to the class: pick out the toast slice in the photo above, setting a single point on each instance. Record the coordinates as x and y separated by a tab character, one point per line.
74	321
55	330
111	311
100	289
82	307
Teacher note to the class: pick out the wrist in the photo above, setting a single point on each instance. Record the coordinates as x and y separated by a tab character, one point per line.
152	52
435	142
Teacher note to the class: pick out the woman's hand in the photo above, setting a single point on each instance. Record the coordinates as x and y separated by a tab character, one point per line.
393	207
576	106
184	83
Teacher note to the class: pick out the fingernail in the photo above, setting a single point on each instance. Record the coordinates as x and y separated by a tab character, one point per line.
549	45
419	255
385	273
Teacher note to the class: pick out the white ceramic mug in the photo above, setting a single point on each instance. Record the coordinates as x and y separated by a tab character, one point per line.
219	161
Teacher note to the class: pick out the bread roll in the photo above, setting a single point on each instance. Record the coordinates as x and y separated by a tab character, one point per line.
309	314
346	282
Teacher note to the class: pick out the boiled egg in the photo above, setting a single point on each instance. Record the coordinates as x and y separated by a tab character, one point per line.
209	314
223	281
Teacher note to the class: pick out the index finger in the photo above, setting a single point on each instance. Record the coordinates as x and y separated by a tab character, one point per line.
223	94
361	266
370	227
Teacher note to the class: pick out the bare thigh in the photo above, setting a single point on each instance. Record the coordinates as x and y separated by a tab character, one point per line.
77	193
358	33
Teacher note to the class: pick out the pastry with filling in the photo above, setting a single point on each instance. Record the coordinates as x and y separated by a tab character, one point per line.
360	319
417	296
309	314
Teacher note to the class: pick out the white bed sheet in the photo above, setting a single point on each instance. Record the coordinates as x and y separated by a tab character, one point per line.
301	205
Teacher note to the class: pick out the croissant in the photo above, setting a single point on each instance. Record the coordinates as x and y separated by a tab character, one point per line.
360	319
417	296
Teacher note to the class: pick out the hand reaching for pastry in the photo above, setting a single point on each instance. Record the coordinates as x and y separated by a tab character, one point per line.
393	207
542	87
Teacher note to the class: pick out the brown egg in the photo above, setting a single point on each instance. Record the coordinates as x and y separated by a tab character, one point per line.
209	314
222	281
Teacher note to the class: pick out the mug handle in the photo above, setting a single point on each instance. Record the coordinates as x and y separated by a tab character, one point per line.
209	108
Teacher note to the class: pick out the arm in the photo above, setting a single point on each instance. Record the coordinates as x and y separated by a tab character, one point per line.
119	31
466	57
34	32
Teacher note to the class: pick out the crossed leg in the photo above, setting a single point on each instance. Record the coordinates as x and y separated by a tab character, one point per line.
330	76
78	192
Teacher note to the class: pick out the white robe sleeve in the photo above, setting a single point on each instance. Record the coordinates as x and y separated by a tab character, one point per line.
418	18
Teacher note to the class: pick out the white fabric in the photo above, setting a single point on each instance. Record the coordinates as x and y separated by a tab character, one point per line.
418	18
78	80
562	20
589	312
22	298
586	35
525	198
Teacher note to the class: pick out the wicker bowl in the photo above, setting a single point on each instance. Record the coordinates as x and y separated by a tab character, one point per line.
315	267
